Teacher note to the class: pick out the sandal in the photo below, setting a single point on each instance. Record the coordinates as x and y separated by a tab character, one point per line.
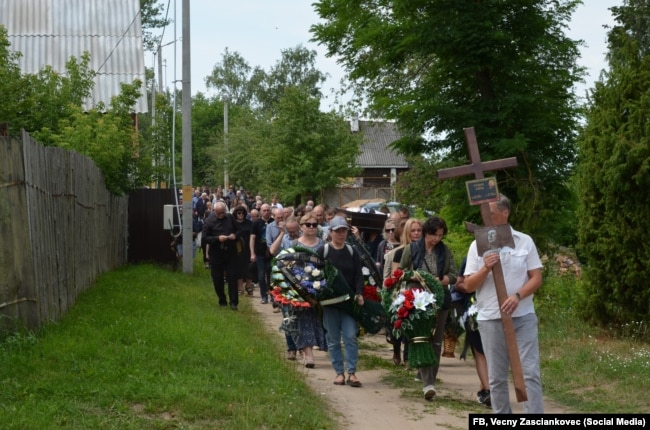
340	379
353	382
309	364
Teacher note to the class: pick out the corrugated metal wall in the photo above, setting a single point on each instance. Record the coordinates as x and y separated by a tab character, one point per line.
49	32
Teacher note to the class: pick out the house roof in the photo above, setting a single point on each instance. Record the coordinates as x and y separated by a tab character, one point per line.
375	151
49	32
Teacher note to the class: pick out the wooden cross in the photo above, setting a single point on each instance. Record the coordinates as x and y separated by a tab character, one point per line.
478	168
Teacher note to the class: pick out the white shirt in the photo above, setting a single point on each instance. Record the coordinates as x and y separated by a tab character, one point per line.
515	264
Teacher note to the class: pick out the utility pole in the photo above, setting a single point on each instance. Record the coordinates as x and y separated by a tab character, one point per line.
188	254
226	180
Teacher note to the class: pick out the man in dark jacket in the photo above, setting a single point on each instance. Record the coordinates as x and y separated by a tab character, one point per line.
219	233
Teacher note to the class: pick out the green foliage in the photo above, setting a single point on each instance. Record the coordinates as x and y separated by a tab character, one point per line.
207	138
252	87
234	78
305	149
36	102
278	139
505	68
110	140
150	15
49	105
157	137
614	176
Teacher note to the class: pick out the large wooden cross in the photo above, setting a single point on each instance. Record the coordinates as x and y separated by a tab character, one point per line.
478	168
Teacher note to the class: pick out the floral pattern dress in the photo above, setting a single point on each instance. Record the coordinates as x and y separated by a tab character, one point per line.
310	328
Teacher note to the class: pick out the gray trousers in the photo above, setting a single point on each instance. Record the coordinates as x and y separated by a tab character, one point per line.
496	352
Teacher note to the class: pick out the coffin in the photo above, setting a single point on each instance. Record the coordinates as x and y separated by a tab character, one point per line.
366	221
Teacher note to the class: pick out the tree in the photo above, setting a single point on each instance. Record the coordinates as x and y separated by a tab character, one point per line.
438	66
110	139
244	85
234	78
49	105
272	122
305	149
614	175
36	102
150	13
296	68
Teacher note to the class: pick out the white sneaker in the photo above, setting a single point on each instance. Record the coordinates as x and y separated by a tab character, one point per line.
429	392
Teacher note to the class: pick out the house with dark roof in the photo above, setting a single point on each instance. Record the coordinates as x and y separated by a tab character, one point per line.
380	163
49	32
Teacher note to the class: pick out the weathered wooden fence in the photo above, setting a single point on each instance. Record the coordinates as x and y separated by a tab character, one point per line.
60	229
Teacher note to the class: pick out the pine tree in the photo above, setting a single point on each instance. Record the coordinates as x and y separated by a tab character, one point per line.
613	176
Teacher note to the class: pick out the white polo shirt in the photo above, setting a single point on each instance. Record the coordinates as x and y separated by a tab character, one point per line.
515	263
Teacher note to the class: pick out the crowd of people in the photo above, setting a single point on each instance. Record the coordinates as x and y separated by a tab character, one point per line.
240	236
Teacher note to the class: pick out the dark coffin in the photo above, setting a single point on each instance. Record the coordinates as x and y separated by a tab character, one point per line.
366	221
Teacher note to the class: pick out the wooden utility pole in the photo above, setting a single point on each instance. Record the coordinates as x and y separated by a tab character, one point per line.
478	168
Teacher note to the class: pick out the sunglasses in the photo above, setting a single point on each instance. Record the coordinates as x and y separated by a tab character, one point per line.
311	224
239	213
390	230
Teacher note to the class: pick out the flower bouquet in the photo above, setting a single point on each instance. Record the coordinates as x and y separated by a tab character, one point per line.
370	287
412	299
468	319
298	278
301	279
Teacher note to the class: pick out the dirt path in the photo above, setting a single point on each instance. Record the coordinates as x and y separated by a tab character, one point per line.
377	405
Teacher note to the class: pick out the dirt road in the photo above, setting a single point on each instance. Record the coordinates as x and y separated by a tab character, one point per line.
377	405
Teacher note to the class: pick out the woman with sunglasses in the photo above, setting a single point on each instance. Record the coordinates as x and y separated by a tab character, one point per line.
390	242
310	330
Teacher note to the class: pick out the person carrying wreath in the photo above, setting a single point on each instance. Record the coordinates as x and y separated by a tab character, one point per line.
310	329
432	255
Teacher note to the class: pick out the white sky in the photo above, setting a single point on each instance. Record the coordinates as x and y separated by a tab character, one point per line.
260	29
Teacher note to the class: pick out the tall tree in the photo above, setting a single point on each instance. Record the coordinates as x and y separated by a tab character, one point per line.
151	18
296	68
267	107
614	175
234	78
305	149
258	89
438	66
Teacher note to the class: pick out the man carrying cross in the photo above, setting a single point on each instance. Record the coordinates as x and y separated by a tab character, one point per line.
522	271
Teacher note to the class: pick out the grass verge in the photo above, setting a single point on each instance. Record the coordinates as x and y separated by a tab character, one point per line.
146	348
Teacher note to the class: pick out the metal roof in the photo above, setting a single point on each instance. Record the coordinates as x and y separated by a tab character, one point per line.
375	151
49	32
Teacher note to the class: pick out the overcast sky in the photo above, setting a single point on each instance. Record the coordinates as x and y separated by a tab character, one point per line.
260	29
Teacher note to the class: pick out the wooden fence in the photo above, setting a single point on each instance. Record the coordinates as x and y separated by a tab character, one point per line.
60	226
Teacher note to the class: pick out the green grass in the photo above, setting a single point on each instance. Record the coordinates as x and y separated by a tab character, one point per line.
583	367
147	348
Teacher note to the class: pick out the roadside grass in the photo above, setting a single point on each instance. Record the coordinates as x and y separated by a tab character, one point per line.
147	348
583	367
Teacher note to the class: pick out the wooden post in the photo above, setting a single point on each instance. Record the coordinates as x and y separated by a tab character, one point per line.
478	168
